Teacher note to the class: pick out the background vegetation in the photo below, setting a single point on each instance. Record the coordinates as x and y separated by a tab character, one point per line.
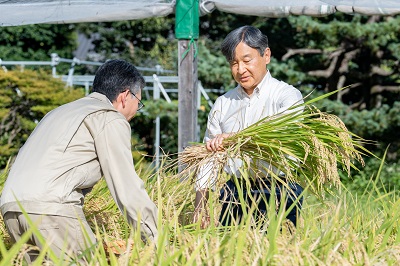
316	55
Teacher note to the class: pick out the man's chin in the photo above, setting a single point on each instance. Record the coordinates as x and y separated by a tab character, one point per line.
246	87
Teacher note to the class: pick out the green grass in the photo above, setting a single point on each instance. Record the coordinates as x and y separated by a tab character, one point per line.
344	229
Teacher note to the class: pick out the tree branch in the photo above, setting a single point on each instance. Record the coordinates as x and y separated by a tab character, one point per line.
380	71
326	72
292	52
380	88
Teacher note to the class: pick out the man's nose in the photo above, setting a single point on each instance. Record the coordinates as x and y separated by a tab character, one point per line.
241	68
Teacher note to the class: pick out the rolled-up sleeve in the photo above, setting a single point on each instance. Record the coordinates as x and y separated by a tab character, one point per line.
113	147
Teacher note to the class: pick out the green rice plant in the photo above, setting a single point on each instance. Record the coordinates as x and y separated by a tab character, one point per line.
344	229
306	144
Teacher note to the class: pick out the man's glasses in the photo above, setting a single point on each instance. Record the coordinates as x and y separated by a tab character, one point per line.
140	104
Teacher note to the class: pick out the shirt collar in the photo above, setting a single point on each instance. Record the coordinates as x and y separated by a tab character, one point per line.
263	82
110	101
100	97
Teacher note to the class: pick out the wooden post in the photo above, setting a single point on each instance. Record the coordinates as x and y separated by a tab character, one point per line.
187	93
187	32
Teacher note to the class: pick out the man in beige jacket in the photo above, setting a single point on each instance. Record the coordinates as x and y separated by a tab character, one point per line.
69	151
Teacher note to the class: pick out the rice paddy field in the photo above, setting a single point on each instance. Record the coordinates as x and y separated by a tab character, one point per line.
345	228
336	226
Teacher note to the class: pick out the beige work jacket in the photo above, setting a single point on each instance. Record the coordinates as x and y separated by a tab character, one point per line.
71	148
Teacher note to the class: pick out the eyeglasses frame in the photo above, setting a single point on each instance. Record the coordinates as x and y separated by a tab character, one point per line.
140	103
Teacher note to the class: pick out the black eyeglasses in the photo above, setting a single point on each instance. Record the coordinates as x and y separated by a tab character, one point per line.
140	104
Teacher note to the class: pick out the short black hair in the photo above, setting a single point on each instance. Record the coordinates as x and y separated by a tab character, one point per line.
249	35
116	76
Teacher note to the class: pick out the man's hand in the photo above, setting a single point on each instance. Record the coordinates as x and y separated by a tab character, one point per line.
215	144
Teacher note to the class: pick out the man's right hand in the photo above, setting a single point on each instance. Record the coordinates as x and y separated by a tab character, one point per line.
215	144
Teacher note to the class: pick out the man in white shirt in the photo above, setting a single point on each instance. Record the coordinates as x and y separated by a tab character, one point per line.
257	96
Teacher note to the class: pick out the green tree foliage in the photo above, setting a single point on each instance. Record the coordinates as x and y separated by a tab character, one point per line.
147	42
25	97
37	42
213	71
343	50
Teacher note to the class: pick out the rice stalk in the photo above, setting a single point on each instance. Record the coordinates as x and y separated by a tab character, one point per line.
306	146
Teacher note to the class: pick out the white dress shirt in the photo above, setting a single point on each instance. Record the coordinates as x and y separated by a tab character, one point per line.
236	110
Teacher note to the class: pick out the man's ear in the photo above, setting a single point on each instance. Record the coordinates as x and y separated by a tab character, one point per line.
267	55
124	96
121	99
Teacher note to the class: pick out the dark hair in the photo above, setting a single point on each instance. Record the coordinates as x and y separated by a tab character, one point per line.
116	76
249	35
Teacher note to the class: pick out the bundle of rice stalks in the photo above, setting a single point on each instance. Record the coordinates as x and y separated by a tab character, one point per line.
307	146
